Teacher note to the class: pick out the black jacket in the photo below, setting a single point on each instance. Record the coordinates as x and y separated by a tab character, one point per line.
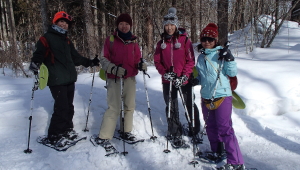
62	67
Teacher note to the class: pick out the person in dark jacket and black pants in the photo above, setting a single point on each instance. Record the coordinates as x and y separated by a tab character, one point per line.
61	62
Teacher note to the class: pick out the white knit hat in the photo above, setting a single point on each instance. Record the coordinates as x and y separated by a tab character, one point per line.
171	18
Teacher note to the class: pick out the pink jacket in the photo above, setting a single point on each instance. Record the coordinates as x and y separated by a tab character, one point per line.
126	53
183	58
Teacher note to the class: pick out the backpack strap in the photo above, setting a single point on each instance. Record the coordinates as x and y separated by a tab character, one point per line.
48	50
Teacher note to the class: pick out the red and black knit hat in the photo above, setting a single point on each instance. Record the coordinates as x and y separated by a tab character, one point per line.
124	18
62	15
211	30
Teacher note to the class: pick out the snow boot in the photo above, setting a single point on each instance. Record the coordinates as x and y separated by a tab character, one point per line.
70	134
127	136
212	157
57	140
232	167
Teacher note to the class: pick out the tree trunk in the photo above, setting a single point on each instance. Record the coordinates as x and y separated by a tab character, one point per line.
223	21
296	12
92	41
44	10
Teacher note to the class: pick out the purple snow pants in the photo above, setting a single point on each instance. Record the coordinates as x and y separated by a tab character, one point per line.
219	129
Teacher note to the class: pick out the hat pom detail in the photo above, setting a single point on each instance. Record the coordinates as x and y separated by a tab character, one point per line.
172	10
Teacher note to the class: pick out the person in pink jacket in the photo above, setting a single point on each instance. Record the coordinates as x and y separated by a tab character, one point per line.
124	60
174	59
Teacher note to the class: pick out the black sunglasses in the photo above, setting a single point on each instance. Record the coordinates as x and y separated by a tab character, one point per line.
169	18
209	39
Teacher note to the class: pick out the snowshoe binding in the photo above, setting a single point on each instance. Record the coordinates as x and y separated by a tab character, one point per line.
177	142
211	157
128	137
109	148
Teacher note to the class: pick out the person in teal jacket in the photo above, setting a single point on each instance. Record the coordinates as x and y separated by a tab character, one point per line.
61	62
214	65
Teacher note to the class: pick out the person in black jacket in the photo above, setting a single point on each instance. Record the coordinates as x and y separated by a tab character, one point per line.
61	62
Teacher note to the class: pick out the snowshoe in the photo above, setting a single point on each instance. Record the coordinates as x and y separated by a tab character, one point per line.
211	157
232	167
177	142
128	137
59	144
194	139
71	134
109	148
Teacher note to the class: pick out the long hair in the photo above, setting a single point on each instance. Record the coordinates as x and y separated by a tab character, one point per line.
164	34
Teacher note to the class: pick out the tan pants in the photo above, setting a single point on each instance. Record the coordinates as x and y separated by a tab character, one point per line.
113	112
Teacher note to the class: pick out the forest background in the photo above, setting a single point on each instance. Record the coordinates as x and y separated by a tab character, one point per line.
22	22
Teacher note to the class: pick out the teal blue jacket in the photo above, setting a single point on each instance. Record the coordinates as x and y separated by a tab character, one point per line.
207	67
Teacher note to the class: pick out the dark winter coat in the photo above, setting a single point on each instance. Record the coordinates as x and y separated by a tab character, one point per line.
62	67
182	58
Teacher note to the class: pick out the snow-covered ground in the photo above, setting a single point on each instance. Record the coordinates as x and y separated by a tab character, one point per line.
268	129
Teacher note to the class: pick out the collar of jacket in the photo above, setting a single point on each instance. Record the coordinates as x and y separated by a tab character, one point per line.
132	40
209	51
51	30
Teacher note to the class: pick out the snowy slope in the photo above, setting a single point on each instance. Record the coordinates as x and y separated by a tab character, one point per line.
267	130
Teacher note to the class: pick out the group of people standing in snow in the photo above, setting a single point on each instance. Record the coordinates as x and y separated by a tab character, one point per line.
121	59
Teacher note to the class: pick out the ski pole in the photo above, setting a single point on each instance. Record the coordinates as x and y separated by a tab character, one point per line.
122	113
148	103
169	108
194	161
34	88
90	101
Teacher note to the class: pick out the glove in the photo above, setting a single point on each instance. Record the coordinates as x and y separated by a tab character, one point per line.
178	82
225	54
170	76
116	70
95	62
194	81
142	66
34	67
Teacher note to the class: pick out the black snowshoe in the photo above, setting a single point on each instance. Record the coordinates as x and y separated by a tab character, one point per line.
128	137
211	157
177	142
234	167
58	142
109	148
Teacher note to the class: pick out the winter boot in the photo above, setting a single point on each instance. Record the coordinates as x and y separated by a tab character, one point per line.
212	157
178	141
197	139
70	134
127	136
232	167
104	143
57	140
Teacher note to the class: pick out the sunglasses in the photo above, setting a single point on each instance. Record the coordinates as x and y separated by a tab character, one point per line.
209	39
66	16
169	18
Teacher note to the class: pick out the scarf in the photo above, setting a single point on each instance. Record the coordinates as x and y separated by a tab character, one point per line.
124	36
59	29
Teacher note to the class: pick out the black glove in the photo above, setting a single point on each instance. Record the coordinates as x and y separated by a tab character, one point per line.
170	76
178	82
34	67
95	62
142	66
225	54
194	81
